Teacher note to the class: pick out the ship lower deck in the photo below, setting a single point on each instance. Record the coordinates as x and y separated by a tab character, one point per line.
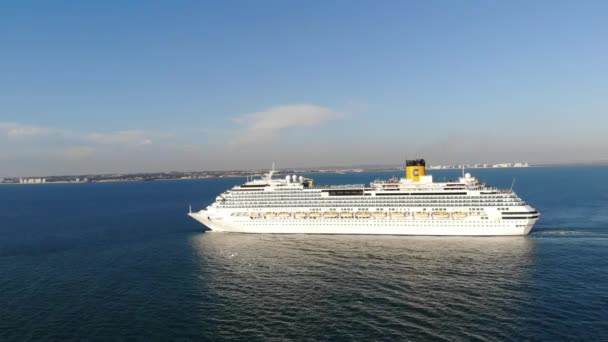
447	227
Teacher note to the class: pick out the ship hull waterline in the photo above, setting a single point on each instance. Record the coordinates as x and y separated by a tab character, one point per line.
353	226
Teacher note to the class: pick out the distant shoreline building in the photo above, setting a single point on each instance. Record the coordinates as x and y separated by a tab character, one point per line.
32	180
479	166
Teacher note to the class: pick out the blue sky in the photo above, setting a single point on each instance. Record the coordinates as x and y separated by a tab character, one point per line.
115	86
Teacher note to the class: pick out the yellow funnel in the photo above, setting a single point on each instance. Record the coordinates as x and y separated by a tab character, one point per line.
414	169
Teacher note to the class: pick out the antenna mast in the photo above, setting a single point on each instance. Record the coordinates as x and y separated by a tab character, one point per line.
268	176
513	184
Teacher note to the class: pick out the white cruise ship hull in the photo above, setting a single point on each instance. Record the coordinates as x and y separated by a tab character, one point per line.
410	226
414	205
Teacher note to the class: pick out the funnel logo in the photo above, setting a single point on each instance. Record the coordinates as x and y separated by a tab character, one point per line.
416	172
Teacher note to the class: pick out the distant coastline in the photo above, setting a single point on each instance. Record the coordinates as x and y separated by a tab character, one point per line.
184	175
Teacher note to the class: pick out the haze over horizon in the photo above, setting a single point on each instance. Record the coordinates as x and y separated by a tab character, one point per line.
105	87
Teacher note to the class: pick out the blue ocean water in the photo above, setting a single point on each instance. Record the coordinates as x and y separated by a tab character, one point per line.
122	261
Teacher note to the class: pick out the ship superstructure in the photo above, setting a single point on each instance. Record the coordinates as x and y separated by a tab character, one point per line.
414	205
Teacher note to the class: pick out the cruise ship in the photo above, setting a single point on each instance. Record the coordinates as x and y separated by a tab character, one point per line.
413	205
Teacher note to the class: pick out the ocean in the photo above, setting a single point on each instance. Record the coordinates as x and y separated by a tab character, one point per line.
123	262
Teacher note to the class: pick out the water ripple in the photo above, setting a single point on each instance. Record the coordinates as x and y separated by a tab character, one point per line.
341	287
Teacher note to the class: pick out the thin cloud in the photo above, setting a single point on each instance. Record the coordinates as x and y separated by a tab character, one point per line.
266	126
79	152
13	130
130	138
17	132
47	146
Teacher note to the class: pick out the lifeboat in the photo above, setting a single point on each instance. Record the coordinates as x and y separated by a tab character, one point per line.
459	215
299	215
398	215
421	215
379	215
314	215
254	215
346	214
331	214
363	214
284	215
270	214
441	215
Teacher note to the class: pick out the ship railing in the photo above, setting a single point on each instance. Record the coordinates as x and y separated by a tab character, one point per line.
497	190
345	186
351	205
385	199
382	202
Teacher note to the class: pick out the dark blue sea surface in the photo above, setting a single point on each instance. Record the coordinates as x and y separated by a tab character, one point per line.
122	261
